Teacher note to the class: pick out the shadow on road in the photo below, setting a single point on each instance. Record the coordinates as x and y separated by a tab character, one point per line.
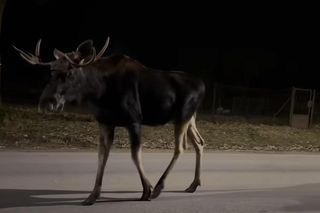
305	197
32	198
27	198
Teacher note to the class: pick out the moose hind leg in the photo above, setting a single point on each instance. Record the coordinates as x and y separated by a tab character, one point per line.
198	143
180	131
106	140
135	135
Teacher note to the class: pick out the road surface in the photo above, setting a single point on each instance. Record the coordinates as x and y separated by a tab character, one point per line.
231	182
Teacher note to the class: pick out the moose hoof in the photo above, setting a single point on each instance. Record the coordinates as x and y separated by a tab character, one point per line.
146	194
193	187
89	201
157	190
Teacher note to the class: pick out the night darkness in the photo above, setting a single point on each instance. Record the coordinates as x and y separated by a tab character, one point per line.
216	48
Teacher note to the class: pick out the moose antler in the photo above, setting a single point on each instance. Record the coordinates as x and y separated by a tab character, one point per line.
105	46
30	58
35	58
82	62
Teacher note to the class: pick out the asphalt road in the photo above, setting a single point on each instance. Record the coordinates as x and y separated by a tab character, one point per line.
231	182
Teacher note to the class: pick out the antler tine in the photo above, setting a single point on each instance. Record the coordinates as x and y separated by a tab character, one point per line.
30	58
103	49
93	57
37	51
27	56
22	52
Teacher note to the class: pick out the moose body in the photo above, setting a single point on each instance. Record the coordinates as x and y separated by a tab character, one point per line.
123	92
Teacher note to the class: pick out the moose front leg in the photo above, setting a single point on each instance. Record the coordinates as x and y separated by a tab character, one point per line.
135	138
105	142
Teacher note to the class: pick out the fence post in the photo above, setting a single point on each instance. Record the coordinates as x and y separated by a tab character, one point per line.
312	108
293	94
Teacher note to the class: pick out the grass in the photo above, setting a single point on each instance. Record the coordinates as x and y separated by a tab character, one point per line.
24	128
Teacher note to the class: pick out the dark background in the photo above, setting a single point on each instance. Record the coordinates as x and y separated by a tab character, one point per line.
256	50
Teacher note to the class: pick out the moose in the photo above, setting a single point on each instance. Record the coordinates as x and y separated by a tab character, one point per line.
122	92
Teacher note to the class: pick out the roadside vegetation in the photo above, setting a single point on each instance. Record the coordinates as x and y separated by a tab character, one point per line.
24	128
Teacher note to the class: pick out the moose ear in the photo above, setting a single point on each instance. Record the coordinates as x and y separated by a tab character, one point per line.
58	54
85	49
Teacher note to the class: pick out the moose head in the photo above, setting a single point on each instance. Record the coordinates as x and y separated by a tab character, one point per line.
66	77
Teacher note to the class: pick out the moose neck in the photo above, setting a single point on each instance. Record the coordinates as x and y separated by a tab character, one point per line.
88	86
